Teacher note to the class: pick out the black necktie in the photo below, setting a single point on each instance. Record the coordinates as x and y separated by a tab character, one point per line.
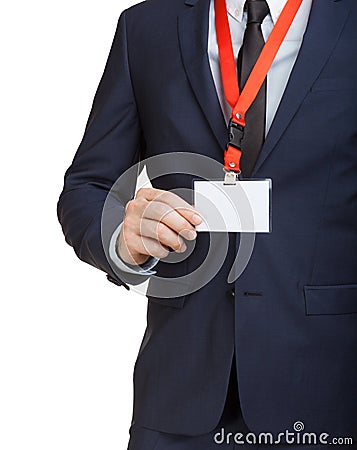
253	43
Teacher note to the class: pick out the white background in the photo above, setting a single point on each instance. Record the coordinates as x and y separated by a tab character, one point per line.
68	338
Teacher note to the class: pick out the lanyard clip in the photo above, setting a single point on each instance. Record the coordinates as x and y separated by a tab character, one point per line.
230	177
235	134
233	153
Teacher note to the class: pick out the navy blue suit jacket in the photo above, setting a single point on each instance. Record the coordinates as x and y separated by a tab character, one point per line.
293	320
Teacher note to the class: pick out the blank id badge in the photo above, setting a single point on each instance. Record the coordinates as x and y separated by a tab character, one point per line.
239	206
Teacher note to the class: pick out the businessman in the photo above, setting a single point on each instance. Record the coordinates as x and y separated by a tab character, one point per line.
275	350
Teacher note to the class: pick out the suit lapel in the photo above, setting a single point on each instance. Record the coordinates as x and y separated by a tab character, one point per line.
326	21
193	34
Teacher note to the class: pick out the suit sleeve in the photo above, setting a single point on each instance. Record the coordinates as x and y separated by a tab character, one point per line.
112	143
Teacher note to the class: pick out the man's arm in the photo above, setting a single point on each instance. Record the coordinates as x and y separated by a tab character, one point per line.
92	205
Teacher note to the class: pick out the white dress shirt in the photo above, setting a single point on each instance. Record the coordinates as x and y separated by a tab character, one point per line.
277	79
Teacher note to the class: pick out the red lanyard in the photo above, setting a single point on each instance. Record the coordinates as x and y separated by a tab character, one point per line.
241	102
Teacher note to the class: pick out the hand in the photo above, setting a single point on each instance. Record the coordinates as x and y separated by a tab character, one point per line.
155	222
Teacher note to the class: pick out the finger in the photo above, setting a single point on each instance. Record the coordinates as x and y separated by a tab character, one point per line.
174	201
162	233
141	209
149	246
161	212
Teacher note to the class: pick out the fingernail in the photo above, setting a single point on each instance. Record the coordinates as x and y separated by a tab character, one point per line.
183	248
196	219
192	235
189	234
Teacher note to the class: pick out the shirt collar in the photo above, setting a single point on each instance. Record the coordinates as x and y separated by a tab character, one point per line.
236	8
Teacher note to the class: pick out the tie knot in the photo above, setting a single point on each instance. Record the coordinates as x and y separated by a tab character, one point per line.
257	11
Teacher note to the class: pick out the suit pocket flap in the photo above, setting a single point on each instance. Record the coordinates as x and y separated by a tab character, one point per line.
341	299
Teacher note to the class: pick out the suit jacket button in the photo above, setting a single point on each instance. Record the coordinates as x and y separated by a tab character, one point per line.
230	293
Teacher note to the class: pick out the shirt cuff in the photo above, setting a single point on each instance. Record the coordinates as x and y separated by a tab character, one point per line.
142	269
